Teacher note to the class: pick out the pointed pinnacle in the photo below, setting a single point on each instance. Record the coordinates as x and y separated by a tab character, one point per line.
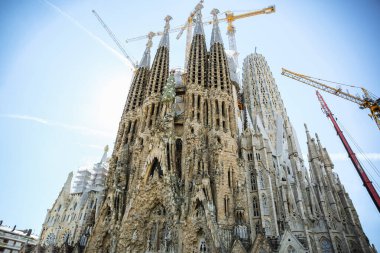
165	36
198	20
307	132
150	37
214	14
167	24
215	35
316	136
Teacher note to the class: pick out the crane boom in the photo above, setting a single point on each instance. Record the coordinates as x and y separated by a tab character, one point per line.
363	176
230	17
113	37
176	29
321	86
373	104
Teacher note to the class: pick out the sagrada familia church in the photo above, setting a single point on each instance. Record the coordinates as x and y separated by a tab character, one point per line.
202	163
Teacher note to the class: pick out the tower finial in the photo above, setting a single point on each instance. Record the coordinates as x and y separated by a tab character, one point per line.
167	23
149	42
307	132
198	20
316	136
165	37
318	141
145	61
214	12
104	157
215	35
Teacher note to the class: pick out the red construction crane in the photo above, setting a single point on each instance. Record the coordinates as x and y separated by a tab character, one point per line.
366	182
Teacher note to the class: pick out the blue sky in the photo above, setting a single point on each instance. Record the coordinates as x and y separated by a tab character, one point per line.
62	90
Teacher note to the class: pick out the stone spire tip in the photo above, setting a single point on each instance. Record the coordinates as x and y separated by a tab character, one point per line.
165	37
104	157
306	129
317	137
145	60
198	20
215	35
307	132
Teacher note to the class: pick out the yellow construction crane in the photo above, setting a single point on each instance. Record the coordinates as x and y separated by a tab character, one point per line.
368	100
229	18
231	30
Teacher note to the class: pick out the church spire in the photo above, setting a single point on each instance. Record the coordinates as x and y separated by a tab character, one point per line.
215	35
311	145
307	132
198	21
197	65
219	75
160	67
164	42
324	154
140	79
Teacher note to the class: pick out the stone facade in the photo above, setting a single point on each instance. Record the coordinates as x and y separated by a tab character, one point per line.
202	165
70	220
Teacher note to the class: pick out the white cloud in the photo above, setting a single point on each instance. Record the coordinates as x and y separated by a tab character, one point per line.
80	129
26	117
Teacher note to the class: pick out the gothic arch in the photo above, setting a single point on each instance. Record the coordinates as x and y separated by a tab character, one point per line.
313	244
199	209
154	168
325	245
354	247
339	245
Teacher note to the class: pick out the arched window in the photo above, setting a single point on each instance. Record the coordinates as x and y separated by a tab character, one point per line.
265	203
313	244
199	209
255	205
264	200
253	181
291	249
156	167
202	246
262	184
326	246
354	247
168	155
178	157
339	247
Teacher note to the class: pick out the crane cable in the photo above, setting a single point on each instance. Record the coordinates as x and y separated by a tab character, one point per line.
372	95
364	156
320	79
